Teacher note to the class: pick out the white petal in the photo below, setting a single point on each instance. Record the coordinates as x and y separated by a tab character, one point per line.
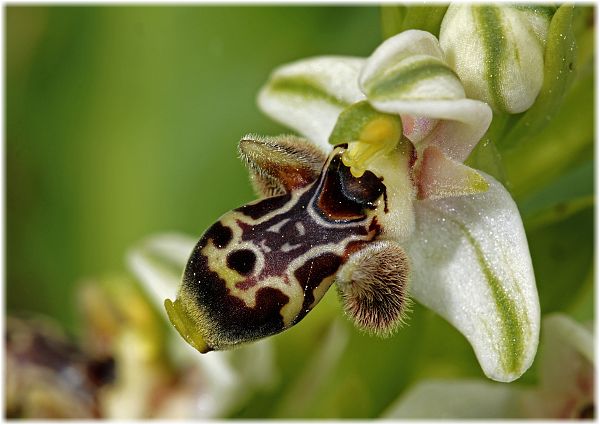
407	75
466	399
399	47
308	95
461	124
439	177
471	264
417	128
158	262
409	66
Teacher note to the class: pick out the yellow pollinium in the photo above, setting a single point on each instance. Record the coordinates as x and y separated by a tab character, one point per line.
378	137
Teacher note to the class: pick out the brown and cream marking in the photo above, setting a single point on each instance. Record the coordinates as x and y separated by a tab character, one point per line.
262	267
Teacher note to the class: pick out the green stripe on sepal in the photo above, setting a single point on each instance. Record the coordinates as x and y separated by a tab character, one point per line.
308	95
513	321
305	88
415	77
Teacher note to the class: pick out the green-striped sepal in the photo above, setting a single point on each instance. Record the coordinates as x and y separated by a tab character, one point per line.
308	95
471	265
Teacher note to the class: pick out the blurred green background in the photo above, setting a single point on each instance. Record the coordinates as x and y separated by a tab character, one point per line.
122	122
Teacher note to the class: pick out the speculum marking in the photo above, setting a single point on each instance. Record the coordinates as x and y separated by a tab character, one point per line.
300	241
221	235
229	317
263	207
311	274
242	261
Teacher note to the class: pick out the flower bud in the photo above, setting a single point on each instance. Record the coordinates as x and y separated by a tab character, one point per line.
497	51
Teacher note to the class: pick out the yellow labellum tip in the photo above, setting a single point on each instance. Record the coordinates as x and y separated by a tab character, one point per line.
184	324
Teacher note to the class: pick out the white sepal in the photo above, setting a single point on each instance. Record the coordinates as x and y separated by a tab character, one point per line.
397	48
471	264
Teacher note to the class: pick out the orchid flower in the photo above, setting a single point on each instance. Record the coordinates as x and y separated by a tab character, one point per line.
462	231
375	198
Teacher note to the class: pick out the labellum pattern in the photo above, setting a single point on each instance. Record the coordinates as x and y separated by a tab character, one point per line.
262	267
391	210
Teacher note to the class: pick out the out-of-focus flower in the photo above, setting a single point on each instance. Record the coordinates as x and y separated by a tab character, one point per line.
124	365
566	372
49	376
497	51
155	378
565	386
227	379
117	319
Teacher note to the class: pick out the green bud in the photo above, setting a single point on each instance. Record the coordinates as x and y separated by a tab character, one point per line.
498	52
